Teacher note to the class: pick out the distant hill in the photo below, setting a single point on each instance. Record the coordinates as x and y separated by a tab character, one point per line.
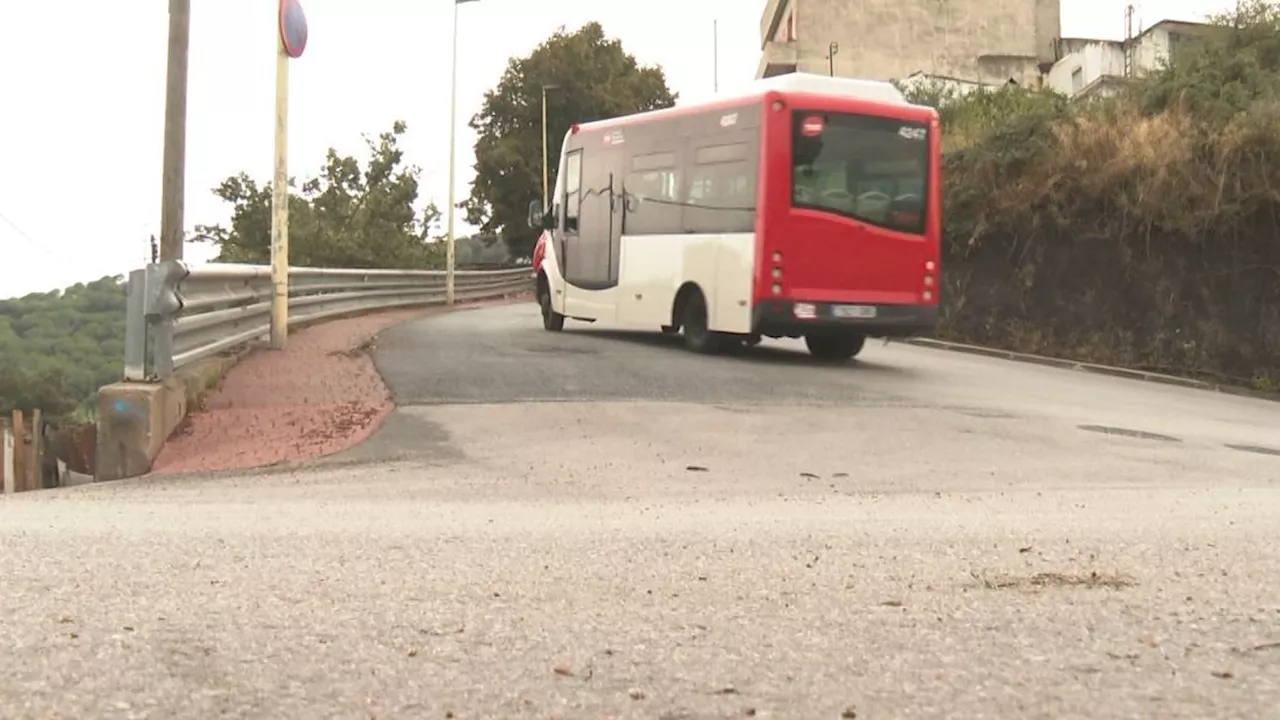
57	348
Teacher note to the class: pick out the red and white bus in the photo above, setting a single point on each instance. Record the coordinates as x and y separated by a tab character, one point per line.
809	207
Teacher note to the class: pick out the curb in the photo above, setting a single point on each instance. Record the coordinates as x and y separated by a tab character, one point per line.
1093	368
170	403
223	363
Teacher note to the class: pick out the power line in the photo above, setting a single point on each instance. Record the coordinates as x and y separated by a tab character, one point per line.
32	241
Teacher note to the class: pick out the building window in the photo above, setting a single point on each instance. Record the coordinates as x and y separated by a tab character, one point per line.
1077	80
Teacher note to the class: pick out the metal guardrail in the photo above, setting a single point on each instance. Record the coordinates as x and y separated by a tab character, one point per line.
179	315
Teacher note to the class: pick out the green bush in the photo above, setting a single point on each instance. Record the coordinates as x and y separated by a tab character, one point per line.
1141	230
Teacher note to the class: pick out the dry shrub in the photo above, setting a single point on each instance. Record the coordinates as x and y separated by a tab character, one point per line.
1110	234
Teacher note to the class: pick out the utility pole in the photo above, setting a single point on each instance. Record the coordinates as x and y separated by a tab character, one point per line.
832	50
175	132
715	55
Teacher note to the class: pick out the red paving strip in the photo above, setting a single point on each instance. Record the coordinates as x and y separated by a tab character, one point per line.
320	395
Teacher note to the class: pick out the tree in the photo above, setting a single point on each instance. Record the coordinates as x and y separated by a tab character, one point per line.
347	217
596	79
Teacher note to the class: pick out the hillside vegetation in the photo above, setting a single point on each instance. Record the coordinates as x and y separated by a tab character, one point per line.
57	348
1140	230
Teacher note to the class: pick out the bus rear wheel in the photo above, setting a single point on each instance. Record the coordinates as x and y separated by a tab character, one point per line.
834	346
698	337
551	320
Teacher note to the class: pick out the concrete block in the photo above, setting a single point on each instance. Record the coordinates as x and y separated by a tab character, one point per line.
134	420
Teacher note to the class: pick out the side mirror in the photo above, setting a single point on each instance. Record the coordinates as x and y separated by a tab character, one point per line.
536	213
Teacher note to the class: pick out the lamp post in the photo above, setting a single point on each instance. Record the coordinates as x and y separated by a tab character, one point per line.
453	137
545	189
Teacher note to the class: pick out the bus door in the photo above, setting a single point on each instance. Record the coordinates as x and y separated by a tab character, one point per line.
567	238
592	220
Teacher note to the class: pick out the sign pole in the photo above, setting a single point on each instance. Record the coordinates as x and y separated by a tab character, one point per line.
280	207
292	40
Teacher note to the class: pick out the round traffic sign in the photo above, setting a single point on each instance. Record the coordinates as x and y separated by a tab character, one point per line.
812	126
293	27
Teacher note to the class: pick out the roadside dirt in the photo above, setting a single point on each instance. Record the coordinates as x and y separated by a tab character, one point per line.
320	395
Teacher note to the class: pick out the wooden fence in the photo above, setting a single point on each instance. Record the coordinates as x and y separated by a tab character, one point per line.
22	453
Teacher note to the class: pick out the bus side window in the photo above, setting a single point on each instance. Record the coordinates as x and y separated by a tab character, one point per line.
572	191
650	187
651	203
721	190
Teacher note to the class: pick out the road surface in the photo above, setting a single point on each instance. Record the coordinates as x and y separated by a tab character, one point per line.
596	524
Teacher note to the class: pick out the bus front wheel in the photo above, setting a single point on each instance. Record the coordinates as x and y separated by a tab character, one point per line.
834	346
551	320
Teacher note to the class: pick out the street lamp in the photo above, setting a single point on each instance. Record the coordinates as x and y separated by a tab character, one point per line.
453	135
545	190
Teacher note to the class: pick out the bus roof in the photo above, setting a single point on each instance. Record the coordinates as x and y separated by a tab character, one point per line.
876	92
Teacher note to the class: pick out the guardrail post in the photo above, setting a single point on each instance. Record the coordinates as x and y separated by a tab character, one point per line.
163	303
135	327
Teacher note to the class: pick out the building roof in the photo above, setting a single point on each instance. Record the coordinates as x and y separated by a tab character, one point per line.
1161	25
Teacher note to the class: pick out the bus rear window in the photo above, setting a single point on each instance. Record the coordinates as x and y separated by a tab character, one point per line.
872	169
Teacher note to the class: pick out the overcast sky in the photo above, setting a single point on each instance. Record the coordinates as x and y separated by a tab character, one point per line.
82	99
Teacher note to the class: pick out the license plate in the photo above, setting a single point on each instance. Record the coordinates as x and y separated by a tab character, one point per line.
854	311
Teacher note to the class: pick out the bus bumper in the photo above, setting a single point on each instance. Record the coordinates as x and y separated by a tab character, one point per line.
793	318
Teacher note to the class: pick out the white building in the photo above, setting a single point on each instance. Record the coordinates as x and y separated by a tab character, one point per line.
1093	68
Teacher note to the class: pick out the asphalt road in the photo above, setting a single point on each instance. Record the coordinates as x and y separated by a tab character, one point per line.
594	524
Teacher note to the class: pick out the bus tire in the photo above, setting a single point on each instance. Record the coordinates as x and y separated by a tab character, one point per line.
697	336
834	347
551	320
